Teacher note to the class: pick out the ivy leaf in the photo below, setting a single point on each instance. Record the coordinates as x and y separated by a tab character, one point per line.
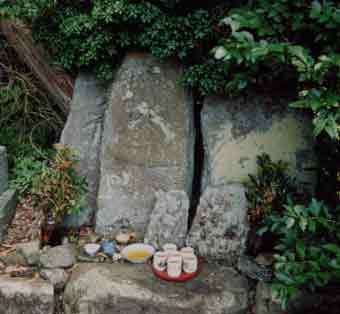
290	222
316	9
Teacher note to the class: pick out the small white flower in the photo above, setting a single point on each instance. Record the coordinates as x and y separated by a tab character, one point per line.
220	53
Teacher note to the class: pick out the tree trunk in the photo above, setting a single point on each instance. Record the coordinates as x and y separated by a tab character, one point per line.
57	83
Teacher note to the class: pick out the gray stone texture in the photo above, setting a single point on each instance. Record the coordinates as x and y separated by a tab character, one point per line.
57	277
133	289
148	142
8	202
62	256
83	132
30	251
220	228
237	130
169	219
22	296
3	170
248	267
264	301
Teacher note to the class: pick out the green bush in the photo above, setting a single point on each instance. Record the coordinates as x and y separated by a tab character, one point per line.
28	119
295	40
263	44
308	252
269	189
57	189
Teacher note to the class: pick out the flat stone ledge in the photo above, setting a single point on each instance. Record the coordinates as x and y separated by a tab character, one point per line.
133	289
8	201
22	296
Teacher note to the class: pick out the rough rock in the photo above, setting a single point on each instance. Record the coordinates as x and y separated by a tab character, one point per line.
133	289
220	228
250	268
8	202
21	296
62	256
13	259
83	132
57	277
30	251
148	142
236	131
3	170
265	302
169	219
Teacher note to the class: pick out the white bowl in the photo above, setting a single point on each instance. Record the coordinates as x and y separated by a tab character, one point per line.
135	248
91	248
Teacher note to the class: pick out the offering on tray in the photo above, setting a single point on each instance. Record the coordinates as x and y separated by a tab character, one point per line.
138	253
175	265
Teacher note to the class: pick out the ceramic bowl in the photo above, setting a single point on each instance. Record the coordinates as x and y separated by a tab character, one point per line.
138	253
91	248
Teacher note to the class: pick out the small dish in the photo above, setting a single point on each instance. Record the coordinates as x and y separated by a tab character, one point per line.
138	253
91	249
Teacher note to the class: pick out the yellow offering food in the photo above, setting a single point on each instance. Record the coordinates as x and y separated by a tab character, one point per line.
138	254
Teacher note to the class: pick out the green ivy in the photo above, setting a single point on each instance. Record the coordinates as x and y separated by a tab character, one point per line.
299	37
225	47
308	252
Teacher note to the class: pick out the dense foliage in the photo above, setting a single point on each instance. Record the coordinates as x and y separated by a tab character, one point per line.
28	120
268	190
58	190
261	43
308	252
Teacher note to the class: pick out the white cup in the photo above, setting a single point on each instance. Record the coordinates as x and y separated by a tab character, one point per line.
187	249
190	263
159	261
170	248
174	268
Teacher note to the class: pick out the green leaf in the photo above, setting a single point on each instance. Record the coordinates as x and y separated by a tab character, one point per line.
301	249
290	222
331	247
316	9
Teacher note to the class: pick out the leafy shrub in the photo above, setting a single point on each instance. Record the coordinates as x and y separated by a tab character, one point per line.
308	252
26	169
268	190
58	190
296	40
28	120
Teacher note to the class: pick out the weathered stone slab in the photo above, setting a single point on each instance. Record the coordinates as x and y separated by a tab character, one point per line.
3	170
57	277
220	228
83	132
236	131
30	251
22	296
147	143
169	219
62	256
8	202
133	289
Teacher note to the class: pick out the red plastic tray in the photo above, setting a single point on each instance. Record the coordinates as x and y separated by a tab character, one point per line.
182	278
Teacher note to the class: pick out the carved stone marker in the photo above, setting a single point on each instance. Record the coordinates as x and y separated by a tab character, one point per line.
148	142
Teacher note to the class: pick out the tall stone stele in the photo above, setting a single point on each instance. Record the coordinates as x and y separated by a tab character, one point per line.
237	130
83	132
148	142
